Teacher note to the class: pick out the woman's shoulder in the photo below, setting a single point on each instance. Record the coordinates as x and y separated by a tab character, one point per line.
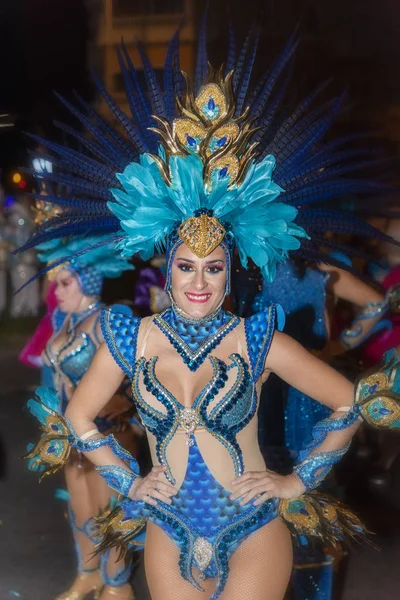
259	331
120	329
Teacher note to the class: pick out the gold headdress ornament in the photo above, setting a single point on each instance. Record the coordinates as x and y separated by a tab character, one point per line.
42	212
207	127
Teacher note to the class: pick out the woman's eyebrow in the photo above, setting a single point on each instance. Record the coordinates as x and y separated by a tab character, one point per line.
185	259
209	262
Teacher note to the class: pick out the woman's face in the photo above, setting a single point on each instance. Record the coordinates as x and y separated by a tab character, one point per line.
198	284
68	292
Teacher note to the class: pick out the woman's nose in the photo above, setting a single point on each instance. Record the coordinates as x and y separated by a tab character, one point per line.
200	282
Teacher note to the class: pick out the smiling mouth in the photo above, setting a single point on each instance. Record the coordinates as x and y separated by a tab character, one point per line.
199	298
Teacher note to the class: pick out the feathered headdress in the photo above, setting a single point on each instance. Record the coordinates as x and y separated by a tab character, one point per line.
215	164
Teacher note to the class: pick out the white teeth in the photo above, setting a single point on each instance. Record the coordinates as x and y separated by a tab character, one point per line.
204	297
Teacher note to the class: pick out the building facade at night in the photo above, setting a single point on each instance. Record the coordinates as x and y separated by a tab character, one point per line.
152	22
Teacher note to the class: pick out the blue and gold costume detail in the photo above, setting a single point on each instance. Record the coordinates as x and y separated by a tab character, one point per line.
202	520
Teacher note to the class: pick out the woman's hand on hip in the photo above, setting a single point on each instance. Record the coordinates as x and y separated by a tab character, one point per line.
151	488
263	485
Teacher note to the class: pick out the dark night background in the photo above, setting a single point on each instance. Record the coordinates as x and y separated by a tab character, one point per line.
43	48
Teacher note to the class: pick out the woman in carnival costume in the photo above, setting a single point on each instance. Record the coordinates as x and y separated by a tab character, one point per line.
217	522
68	353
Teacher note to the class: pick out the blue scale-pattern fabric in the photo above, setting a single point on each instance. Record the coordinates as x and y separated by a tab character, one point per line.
120	333
90	279
205	507
202	499
259	330
202	507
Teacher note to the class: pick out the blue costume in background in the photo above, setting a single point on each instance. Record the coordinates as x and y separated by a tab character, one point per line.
301	292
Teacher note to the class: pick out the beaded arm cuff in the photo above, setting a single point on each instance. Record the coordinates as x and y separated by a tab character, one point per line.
376	400
117	478
315	466
356	334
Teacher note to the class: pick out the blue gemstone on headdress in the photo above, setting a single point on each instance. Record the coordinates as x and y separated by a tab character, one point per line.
191	141
221	142
223	172
211	110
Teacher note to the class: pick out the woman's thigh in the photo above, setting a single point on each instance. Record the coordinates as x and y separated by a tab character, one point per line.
261	566
161	557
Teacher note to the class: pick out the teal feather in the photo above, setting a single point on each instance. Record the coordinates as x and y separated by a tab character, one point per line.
108	262
45	402
263	228
62	494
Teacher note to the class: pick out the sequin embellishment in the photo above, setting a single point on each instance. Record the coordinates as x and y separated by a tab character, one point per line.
202	553
195	339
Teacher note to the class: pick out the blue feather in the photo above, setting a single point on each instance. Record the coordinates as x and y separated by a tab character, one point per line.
144	106
138	113
61	494
260	102
246	72
118	148
154	90
202	56
231	57
169	87
45	402
92	146
128	126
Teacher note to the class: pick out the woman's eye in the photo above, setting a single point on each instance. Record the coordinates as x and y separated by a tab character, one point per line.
214	270
185	268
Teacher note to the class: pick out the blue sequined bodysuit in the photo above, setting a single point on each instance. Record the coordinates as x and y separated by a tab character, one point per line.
202	519
72	361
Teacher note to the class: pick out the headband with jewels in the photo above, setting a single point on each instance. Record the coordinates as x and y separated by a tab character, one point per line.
219	163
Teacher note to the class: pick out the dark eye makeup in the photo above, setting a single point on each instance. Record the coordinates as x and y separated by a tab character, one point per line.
212	268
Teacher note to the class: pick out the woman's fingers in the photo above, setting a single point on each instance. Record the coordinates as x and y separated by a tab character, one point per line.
262	498
246	486
165	488
257	489
160	496
147	499
250	475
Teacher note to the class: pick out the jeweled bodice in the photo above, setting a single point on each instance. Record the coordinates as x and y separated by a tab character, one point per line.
223	419
227	402
74	357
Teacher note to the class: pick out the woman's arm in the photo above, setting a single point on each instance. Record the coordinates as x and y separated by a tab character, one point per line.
370	303
98	385
295	365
